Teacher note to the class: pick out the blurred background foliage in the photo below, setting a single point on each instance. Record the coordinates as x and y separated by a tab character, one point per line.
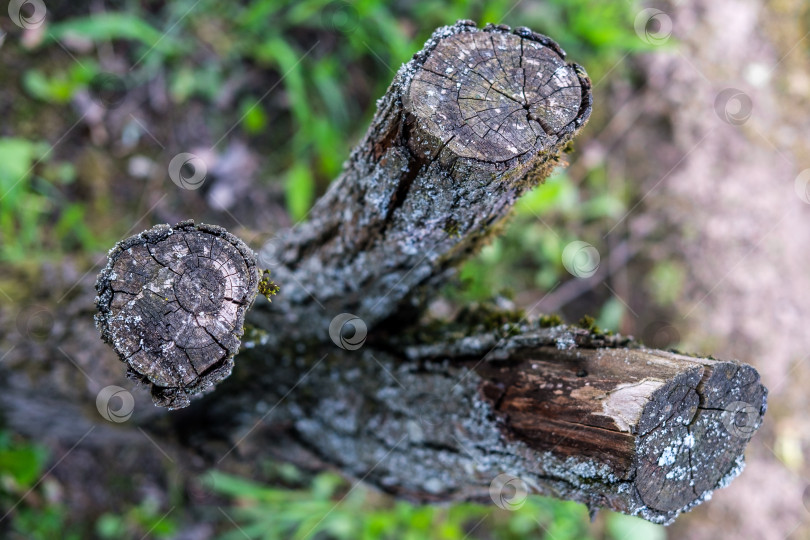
288	503
97	102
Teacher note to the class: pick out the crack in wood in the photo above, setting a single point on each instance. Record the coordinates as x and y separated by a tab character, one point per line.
448	153
162	344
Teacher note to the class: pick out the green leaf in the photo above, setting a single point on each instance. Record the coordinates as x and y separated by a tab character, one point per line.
182	84
59	87
23	463
231	485
37	84
556	193
611	315
72	227
110	526
299	191
290	64
16	159
666	282
622	527
324	485
107	26
254	119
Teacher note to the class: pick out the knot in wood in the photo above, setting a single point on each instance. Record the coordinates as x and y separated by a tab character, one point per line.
172	303
494	95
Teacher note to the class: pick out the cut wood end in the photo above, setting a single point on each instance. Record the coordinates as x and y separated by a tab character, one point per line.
694	431
172	301
641	431
495	95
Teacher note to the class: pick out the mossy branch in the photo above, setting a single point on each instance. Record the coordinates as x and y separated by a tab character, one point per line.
475	119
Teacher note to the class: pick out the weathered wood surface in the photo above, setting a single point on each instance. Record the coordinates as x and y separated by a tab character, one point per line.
172	303
572	414
467	126
474	120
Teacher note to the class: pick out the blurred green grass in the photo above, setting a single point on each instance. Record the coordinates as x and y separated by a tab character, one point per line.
293	505
330	507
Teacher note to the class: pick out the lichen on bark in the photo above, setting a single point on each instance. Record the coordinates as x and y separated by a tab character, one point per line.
439	170
431	412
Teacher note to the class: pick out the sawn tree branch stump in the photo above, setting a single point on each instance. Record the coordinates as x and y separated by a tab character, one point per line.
436	411
475	119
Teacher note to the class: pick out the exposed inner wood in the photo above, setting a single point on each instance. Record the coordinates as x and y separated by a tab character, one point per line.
172	303
493	96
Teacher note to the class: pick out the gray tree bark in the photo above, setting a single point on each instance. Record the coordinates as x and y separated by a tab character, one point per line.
475	119
340	364
561	410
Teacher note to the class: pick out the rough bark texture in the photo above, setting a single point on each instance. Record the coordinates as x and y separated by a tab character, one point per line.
438	412
572	414
467	126
172	303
